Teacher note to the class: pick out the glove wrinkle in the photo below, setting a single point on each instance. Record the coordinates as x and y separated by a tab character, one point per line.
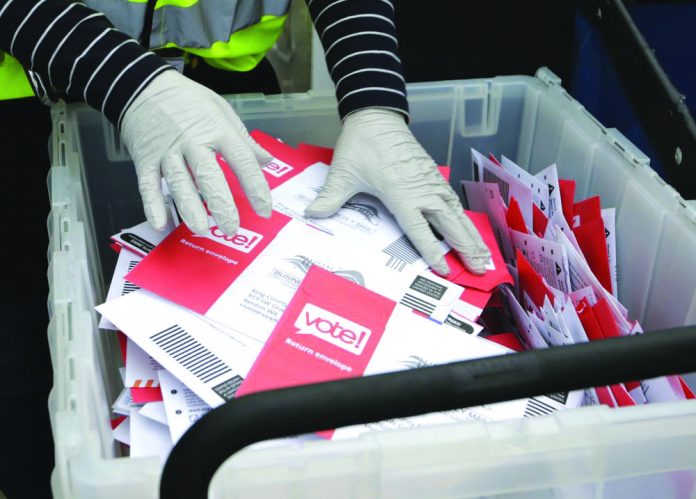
178	122
376	153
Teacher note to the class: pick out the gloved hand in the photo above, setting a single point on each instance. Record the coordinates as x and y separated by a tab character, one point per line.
175	123
376	153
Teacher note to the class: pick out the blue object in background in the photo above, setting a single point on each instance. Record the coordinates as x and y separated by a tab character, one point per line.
596	86
669	30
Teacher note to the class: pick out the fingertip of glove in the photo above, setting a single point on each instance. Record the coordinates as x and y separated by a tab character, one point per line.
441	269
264	211
320	208
157	221
314	213
476	264
199	230
230	229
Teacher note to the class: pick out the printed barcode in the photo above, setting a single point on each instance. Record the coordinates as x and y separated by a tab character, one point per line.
395	263
401	253
129	287
188	352
417	304
490	177
536	407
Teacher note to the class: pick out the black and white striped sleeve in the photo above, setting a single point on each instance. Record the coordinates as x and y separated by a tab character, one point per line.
73	50
359	39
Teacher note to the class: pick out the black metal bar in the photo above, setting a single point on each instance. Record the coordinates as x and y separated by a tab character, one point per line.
304	409
660	107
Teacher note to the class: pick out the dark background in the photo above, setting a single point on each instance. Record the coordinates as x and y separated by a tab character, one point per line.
439	40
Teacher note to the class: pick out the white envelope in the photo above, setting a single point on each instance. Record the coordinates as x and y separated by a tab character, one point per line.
540	189
510	186
254	303
203	357
127	260
550	176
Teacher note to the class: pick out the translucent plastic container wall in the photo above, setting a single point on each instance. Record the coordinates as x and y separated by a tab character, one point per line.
592	452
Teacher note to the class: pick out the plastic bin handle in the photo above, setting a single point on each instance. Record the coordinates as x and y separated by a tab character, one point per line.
305	409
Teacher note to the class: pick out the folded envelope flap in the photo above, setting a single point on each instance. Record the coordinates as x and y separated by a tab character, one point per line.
605	319
281	150
621	395
194	270
514	217
342	295
316	154
477	297
589	321
540	221
688	393
531	282
587	210
567	188
496	273
329	330
591	238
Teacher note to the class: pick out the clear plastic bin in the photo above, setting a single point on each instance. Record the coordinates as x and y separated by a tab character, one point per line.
593	452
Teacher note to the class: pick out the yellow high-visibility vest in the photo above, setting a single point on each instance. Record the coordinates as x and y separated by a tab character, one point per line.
233	35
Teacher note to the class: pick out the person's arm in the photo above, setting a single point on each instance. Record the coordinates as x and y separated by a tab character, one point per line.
376	152
73	50
170	125
359	40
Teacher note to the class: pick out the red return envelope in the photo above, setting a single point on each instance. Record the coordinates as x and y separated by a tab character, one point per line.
193	270
321	336
497	275
288	160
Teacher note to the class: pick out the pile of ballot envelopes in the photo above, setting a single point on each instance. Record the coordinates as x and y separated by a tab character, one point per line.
202	319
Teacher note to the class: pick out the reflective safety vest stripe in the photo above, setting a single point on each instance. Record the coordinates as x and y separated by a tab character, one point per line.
13	80
230	34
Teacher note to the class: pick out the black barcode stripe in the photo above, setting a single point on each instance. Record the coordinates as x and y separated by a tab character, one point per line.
425	308
193	356
396	263
203	365
129	288
215	374
211	369
536	407
163	333
417	306
196	359
172	342
542	405
200	361
489	177
420	301
181	346
402	253
206	375
402	249
530	411
190	353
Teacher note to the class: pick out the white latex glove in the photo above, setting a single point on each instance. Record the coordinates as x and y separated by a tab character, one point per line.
376	153
175	123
